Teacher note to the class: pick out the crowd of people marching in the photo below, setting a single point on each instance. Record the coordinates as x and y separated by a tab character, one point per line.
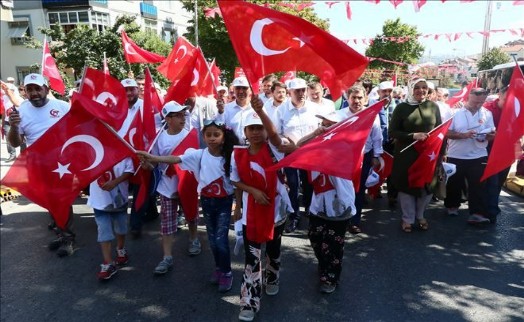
240	135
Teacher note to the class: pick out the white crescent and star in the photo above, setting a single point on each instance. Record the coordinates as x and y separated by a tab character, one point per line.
219	190
196	77
432	156
87	139
102	98
329	136
184	49
517	106
130	50
132	133
255	38
46	60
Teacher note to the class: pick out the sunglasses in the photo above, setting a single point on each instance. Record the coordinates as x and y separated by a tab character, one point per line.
209	122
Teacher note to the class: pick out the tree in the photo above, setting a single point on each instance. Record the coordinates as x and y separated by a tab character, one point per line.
214	39
406	50
494	56
85	47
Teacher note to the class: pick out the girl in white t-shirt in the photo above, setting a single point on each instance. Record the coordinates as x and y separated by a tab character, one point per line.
211	167
108	196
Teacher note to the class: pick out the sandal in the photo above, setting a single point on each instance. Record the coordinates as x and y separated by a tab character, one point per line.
406	227
423	224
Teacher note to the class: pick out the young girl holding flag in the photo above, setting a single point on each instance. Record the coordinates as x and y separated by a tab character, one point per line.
265	204
211	167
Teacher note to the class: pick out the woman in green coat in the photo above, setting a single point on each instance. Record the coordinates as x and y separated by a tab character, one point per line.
411	121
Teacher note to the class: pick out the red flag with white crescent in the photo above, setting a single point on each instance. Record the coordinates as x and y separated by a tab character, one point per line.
50	70
134	54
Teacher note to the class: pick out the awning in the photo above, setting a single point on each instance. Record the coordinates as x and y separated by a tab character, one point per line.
18	32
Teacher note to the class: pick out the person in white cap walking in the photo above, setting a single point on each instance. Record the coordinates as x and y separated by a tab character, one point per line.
236	112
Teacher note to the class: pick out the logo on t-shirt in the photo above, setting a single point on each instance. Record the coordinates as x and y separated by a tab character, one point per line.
54	113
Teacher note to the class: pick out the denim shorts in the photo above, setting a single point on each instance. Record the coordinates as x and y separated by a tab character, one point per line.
105	222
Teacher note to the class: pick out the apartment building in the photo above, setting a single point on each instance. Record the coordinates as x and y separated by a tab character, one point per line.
166	18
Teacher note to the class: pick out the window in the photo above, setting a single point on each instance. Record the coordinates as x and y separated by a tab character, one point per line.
150	25
19	30
23	71
70	19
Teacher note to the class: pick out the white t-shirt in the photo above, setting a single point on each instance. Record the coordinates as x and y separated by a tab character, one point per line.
235	117
375	138
326	105
282	202
207	168
264	98
334	202
463	121
117	198
445	111
35	121
273	112
166	143
298	122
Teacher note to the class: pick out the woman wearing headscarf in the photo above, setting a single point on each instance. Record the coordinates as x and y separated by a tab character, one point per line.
411	121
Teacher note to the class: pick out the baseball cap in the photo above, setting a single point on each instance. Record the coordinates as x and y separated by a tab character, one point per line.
385	85
222	88
129	82
172	107
431	85
36	79
297	83
331	116
253	119
240	82
372	179
10	79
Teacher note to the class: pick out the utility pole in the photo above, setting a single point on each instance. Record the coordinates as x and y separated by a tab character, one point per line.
196	23
487	27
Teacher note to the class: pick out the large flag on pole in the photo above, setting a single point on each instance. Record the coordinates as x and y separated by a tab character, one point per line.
462	95
271	41
322	154
506	147
422	170
134	54
50	70
178	60
68	157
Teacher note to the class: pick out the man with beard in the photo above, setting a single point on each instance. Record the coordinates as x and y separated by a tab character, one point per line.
34	117
272	107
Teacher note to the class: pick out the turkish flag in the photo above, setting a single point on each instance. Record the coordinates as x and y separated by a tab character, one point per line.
50	70
386	166
322	154
215	73
182	87
135	133
69	156
134	54
187	184
506	146
271	41
239	72
395	3
288	76
212	12
179	60
202	83
152	104
462	96
422	170
110	96
418	4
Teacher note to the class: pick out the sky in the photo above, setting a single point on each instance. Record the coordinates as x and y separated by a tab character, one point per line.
434	17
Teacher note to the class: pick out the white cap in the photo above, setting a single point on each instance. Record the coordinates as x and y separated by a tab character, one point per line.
333	116
431	85
36	79
172	107
240	82
449	168
253	119
222	88
297	83
373	179
10	79
385	85
129	82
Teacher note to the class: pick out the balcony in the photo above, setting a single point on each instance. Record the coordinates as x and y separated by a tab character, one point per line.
56	4
148	10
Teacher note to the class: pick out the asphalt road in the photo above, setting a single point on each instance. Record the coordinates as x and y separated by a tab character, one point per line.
453	272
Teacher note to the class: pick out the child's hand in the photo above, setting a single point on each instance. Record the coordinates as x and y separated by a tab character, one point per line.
109	185
256	103
143	155
260	197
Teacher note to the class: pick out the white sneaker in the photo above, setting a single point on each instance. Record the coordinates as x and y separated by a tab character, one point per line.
246	315
194	247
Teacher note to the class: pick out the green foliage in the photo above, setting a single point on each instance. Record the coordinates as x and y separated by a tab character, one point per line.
214	39
85	47
493	57
408	51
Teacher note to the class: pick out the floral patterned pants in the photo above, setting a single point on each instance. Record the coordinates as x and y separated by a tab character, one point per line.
251	289
327	240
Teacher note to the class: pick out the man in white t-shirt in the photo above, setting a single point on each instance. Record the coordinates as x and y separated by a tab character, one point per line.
298	119
315	94
267	82
272	106
468	135
236	112
34	117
